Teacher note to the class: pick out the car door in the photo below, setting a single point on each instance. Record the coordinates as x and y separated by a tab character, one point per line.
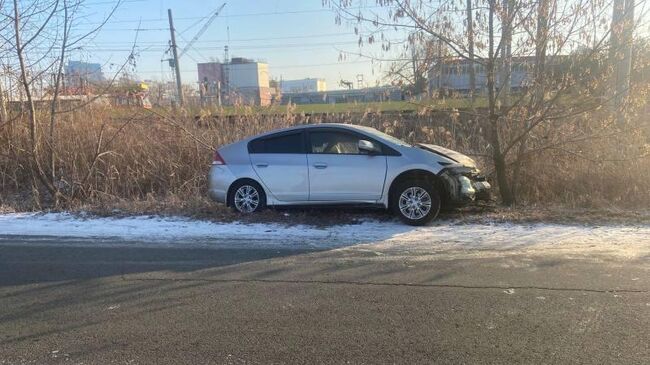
281	163
339	171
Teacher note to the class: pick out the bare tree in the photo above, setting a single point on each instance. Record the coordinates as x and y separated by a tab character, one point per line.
556	36
37	167
39	37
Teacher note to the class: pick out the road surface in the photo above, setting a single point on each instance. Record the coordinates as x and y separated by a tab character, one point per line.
76	301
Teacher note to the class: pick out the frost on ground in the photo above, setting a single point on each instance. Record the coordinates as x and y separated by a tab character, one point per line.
373	235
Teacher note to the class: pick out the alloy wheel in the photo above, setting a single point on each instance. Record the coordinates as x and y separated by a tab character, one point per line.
247	199
415	203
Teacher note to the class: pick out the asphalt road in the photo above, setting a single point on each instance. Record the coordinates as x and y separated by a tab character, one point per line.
65	304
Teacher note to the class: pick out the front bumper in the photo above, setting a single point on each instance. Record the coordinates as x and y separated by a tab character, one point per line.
465	185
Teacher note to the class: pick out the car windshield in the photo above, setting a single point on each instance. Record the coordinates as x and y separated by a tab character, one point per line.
386	137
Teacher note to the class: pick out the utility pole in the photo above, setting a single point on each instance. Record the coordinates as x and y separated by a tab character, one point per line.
179	86
506	52
621	44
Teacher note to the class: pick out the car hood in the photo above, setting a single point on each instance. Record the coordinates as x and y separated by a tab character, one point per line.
450	154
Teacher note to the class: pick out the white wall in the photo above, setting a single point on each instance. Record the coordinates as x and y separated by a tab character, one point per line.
303	85
263	74
247	75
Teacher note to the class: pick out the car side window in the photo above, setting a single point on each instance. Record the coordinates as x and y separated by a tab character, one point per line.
286	143
331	142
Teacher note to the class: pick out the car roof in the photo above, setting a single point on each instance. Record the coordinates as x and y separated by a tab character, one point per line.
353	127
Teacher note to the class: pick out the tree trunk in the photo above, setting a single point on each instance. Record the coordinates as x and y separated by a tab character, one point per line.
37	169
500	166
537	97
417	85
618	10
55	96
470	50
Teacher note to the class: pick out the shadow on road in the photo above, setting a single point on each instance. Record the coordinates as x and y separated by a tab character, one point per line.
37	279
34	264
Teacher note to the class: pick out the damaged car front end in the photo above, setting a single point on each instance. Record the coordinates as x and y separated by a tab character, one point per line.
463	181
464	185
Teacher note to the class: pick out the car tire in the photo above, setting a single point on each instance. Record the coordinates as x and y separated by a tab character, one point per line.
246	197
410	201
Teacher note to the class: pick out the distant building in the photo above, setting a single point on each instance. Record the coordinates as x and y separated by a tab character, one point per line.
453	75
241	81
210	81
247	82
366	95
79	75
303	85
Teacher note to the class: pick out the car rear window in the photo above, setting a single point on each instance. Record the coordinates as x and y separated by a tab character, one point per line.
287	143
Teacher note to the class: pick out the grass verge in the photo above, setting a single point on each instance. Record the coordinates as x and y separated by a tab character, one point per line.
323	217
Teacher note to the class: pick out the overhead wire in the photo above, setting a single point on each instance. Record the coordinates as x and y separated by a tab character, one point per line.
99	46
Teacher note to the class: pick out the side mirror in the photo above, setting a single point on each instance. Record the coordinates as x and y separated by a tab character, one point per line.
369	147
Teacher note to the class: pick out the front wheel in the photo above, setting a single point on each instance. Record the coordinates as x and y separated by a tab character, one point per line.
247	197
416	203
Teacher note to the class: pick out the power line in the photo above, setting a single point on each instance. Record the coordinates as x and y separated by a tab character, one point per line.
112	2
317	35
218	48
290	66
235	15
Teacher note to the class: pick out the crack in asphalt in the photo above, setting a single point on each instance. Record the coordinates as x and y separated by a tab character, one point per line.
367	283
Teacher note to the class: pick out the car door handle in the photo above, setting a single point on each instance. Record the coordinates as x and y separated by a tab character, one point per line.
262	164
320	165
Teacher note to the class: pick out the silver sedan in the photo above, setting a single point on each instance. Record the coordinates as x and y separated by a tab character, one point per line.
343	164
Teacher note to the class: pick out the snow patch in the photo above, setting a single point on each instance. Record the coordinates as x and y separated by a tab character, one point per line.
383	236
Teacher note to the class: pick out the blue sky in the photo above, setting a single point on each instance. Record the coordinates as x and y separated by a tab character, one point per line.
298	39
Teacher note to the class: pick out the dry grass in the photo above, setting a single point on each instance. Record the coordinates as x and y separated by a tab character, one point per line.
155	164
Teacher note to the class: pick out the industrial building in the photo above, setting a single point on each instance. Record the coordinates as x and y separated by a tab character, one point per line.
240	81
303	85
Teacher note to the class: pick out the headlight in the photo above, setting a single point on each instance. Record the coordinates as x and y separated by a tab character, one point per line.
466	188
458	183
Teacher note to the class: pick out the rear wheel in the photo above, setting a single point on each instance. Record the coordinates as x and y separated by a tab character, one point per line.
247	197
416	203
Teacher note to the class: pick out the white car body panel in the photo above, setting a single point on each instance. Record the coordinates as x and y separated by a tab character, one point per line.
273	169
346	178
294	179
